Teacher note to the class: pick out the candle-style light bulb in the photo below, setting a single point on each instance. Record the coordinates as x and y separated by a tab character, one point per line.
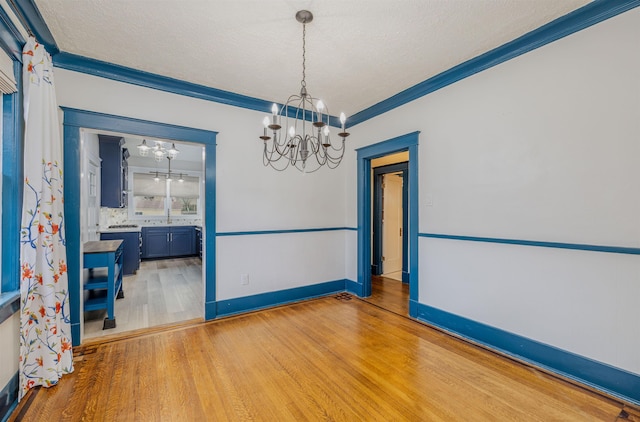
343	120
274	113
320	106
265	122
292	131
326	131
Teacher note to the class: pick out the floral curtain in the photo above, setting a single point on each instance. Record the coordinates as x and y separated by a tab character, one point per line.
45	331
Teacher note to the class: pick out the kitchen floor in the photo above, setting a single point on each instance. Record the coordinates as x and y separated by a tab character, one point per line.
161	292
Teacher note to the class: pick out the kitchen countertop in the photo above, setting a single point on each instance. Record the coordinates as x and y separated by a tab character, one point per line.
140	226
119	229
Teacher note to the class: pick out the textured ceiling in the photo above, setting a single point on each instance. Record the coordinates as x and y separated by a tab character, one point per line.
358	52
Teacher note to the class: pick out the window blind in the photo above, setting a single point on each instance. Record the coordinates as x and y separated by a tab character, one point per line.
7	80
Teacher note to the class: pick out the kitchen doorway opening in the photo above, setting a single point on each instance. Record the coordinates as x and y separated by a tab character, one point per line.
155	207
76	123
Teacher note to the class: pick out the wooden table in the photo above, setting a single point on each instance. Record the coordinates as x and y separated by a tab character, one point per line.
104	289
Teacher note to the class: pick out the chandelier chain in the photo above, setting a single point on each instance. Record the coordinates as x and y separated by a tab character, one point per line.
304	54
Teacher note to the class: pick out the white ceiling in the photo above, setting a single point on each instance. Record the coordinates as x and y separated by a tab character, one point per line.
359	52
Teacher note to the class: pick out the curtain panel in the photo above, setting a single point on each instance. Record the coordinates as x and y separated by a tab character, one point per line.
45	331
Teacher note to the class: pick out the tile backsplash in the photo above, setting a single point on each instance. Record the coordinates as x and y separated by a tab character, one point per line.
111	216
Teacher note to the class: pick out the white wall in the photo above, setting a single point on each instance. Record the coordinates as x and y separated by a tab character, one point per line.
10	340
542	147
250	197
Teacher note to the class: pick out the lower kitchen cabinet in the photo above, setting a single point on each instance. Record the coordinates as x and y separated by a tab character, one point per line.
131	252
166	242
199	241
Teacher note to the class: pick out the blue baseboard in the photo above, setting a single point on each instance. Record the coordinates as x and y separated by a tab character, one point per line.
210	309
610	380
266	300
354	287
9	397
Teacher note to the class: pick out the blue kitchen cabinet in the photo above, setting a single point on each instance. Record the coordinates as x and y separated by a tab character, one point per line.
182	241
155	242
114	171
131	253
199	241
168	242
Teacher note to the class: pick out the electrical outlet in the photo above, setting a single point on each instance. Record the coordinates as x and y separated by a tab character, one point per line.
244	279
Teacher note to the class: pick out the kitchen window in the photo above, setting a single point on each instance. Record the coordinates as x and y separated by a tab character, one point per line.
157	196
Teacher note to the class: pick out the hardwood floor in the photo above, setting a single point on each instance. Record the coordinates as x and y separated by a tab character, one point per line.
324	359
389	294
161	292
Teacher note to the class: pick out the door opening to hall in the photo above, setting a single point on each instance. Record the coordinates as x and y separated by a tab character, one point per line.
390	217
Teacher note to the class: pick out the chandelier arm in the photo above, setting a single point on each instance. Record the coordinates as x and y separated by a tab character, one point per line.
272	162
269	153
277	145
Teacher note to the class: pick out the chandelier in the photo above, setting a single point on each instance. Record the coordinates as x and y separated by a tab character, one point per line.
305	143
158	150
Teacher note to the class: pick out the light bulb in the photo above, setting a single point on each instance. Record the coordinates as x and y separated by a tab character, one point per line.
320	106
326	131
274	112
292	131
343	119
265	122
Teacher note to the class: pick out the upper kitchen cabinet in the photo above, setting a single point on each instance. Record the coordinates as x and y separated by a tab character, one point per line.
114	171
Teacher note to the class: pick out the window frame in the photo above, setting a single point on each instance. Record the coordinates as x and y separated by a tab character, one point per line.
11	41
157	218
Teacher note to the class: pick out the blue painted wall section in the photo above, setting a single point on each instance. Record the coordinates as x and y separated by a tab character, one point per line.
614	381
281	297
74	120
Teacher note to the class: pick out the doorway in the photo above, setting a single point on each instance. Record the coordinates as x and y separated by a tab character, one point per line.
409	143
159	195
74	121
390	217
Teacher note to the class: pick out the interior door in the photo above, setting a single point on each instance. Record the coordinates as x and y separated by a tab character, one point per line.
392	229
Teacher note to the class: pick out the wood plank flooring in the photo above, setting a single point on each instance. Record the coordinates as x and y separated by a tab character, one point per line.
389	294
324	359
161	292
